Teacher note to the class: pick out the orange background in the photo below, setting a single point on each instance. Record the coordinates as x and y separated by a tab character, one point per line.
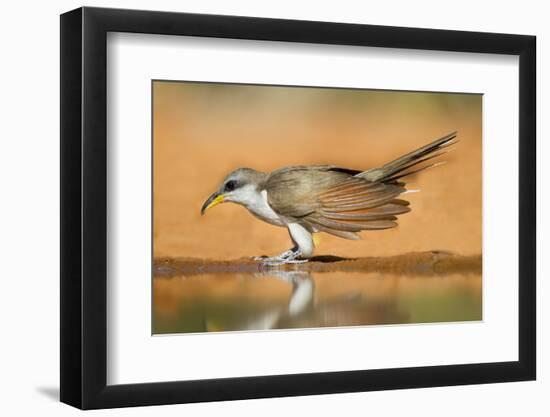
203	131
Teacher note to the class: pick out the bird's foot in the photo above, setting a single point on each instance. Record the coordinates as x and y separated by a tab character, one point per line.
290	256
282	256
278	262
295	261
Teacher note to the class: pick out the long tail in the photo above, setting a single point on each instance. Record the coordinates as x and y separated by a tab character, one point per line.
400	167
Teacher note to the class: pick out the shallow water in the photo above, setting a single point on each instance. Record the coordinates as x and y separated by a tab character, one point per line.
229	301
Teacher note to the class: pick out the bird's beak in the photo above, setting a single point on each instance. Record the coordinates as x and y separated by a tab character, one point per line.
212	201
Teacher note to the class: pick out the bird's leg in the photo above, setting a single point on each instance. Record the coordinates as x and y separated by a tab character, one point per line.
302	249
292	256
286	254
289	256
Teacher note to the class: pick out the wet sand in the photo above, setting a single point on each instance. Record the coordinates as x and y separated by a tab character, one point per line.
421	263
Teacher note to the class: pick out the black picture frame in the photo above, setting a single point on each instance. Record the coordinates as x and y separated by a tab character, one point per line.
84	207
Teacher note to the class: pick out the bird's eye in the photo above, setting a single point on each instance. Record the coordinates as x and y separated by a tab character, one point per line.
230	185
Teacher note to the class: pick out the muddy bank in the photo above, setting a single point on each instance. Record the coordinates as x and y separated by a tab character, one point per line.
417	263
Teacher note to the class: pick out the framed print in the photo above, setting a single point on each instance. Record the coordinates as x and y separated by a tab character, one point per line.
258	207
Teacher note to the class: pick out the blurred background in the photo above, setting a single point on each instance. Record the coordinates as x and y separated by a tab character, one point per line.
202	131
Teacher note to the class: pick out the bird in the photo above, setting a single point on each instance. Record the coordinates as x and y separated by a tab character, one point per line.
308	199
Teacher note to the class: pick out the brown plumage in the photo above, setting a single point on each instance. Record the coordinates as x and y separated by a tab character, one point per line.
343	202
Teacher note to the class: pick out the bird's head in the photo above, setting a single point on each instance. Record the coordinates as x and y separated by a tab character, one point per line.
240	187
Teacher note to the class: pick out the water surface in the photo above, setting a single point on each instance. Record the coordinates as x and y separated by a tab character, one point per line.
279	299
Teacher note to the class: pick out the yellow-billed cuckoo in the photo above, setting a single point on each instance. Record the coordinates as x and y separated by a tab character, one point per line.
325	198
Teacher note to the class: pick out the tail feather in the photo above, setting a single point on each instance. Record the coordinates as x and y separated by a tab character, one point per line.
394	178
388	172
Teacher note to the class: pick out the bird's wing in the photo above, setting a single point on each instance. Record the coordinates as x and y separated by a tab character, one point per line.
357	205
331	200
291	191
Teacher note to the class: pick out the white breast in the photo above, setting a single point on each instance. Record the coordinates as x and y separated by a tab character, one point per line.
256	203
260	208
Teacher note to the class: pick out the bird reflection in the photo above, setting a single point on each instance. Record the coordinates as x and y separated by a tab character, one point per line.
301	298
302	310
